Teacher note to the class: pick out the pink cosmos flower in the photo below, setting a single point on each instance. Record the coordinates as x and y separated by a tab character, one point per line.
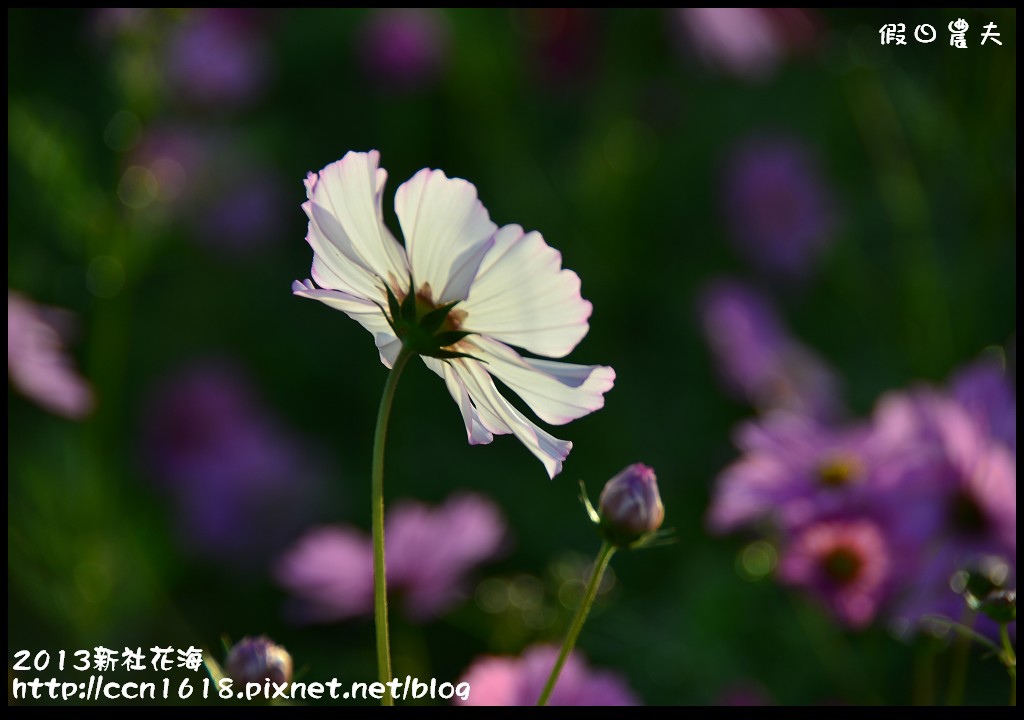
429	551
847	563
501	680
37	363
509	285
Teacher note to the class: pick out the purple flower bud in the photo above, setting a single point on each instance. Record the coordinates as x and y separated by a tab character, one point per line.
630	506
258	659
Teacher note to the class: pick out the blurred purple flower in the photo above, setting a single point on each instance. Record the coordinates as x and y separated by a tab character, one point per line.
757	359
429	551
241	484
37	362
744	694
563	46
778	206
746	42
232	203
511	681
985	391
848	564
246	216
404	49
218	57
794	469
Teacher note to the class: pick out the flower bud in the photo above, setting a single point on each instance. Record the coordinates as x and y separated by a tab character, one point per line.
258	659
630	506
1000	605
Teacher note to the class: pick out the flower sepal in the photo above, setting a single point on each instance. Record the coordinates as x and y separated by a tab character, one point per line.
424	329
619	526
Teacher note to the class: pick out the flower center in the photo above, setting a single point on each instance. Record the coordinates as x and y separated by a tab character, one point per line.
425	303
842	565
966	516
839	471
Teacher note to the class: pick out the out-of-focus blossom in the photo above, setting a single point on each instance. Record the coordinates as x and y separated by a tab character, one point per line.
246	216
428	552
778	207
231	203
562	44
746	42
516	681
111	22
218	58
744	694
847	563
37	363
509	286
241	485
757	359
969	509
794	469
256	659
984	389
404	49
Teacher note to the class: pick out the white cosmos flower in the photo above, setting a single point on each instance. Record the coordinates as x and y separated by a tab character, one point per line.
509	284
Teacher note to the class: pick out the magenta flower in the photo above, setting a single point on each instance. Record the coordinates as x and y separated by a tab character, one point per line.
37	363
794	469
848	564
404	49
984	389
218	57
509	286
757	359
429	551
518	681
778	206
241	485
747	42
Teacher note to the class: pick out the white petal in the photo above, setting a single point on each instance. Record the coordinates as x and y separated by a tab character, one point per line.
353	249
364	312
475	430
500	417
447	231
523	297
558	392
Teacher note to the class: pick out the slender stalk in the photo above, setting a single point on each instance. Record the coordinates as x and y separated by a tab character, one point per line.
604	556
380	591
959	667
1011	661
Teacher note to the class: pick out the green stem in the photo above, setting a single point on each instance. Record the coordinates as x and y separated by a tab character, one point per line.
958	670
380	590
604	556
1010	658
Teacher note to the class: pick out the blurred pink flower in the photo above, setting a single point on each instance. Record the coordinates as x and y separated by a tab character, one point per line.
847	563
37	363
404	48
218	57
747	42
518	681
428	552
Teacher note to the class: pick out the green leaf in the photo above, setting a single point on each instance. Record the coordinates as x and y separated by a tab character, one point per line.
940	621
591	512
